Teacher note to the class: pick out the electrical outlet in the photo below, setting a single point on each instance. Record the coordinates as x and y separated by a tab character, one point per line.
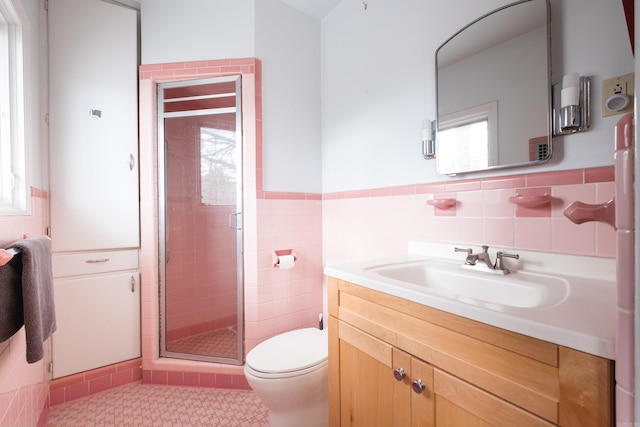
621	85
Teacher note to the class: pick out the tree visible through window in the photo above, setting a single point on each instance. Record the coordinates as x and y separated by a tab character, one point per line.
217	166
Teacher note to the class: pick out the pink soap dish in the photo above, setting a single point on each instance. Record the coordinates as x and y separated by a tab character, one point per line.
531	200
442	202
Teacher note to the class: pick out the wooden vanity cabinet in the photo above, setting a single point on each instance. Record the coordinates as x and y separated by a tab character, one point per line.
473	374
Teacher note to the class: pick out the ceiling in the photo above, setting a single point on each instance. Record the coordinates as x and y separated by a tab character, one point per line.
316	8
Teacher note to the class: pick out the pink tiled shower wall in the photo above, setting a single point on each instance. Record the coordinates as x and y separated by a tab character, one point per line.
378	223
201	272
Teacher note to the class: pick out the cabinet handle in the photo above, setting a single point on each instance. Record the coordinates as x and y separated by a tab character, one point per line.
133	284
418	386
95	261
132	162
233	221
399	374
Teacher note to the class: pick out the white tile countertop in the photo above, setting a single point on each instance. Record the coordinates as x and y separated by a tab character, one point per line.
580	313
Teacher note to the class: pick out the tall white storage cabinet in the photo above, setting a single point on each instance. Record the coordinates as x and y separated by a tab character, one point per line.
93	131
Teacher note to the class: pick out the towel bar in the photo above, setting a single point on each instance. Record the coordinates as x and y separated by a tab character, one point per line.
7	254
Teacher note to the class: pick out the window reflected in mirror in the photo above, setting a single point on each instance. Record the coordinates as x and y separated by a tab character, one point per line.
469	139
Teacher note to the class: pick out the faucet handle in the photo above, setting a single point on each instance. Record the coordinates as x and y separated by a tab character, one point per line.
469	251
500	262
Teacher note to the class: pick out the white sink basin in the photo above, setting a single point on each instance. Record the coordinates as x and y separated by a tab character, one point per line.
518	289
564	299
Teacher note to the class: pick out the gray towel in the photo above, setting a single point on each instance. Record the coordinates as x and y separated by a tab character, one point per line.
10	299
37	294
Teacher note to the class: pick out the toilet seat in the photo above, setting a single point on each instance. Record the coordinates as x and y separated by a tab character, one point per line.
289	354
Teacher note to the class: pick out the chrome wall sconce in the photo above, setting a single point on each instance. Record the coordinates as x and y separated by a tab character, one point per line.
428	139
571	105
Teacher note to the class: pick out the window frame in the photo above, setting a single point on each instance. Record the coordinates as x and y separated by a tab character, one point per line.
13	170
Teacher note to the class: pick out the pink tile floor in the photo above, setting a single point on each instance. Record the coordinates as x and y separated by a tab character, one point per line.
152	405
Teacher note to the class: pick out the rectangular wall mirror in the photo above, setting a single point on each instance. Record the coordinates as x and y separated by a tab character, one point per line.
493	91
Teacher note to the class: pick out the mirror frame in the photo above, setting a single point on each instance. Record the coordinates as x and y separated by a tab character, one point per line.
549	94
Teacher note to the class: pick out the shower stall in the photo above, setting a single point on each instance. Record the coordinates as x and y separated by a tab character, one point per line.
200	219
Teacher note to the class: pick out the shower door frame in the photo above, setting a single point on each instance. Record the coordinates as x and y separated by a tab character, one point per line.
163	223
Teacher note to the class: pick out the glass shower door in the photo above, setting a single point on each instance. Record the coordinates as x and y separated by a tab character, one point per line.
200	197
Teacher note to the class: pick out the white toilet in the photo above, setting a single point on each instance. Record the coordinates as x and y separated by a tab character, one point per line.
289	372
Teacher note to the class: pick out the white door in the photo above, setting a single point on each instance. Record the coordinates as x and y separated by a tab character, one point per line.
93	125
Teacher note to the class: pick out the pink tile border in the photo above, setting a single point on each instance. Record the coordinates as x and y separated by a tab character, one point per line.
565	177
599	174
195	379
542	179
72	387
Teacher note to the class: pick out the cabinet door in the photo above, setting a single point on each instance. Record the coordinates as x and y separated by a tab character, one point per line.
459	403
93	125
422	402
98	319
415	392
367	384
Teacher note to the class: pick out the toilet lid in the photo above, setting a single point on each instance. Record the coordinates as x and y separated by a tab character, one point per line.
290	351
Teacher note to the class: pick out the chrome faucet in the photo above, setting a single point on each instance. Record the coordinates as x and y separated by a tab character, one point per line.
482	260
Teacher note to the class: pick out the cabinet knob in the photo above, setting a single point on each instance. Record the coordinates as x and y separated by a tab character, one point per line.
132	162
399	374
418	386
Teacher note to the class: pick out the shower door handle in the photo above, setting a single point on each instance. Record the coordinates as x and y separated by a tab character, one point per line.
234	222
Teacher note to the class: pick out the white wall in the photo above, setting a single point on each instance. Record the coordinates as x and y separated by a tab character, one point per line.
377	79
192	30
288	44
378	84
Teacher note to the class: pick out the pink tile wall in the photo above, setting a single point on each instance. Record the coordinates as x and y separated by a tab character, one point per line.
625	331
23	387
377	223
281	300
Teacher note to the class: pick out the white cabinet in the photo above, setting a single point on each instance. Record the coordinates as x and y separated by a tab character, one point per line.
94	193
97	310
93	125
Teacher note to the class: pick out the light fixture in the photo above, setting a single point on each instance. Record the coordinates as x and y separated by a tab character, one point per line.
428	139
572	105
